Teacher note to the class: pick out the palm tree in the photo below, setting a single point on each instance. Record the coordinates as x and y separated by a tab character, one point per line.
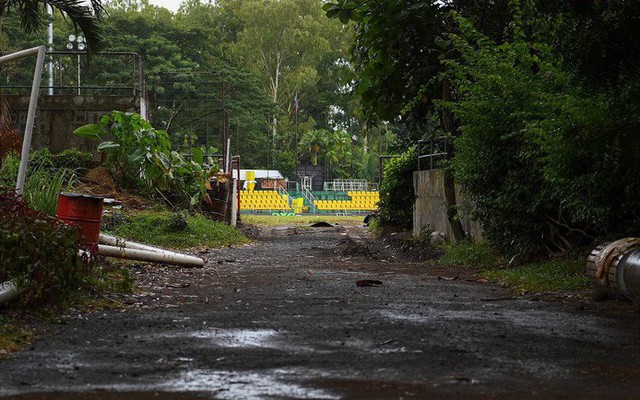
84	15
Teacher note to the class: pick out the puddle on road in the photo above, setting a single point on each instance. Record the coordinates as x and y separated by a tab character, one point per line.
244	385
556	323
243	338
234	338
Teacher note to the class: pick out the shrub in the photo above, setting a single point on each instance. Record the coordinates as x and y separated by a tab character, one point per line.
39	253
540	156
42	184
71	159
396	192
141	156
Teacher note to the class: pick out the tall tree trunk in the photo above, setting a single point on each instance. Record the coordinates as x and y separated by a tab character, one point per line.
449	182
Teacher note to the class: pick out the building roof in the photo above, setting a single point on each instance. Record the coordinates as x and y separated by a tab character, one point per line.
260	174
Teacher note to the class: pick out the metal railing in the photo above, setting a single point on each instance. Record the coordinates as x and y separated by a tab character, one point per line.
347	185
310	198
283	192
431	151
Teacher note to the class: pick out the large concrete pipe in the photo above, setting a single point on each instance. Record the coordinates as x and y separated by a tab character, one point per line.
8	290
617	266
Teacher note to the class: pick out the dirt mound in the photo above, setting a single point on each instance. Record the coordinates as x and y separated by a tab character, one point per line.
100	179
402	245
99	182
347	247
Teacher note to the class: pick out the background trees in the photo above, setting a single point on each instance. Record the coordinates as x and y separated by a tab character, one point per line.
261	53
542	99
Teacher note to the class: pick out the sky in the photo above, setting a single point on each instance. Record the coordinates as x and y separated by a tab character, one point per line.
172	5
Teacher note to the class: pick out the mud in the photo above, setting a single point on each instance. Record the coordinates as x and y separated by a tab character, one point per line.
283	318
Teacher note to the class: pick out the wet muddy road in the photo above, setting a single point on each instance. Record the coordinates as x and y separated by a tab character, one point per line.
283	318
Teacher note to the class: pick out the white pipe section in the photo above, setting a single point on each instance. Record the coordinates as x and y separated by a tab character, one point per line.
31	113
121	242
151	256
50	42
227	167
8	290
234	203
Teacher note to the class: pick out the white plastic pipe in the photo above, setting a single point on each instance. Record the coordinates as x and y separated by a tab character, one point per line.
151	256
129	244
8	290
122	242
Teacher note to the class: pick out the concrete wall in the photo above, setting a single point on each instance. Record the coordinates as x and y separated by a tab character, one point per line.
58	116
430	207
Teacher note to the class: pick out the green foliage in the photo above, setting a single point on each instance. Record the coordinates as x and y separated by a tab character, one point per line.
539	156
159	229
42	183
396	193
33	16
138	153
554	275
331	148
71	159
39	253
468	254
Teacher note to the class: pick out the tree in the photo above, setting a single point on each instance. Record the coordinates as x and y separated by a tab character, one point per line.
540	154
284	43
398	57
84	16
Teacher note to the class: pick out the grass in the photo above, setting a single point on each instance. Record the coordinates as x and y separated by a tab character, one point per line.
548	276
13	338
468	254
161	229
273	220
562	274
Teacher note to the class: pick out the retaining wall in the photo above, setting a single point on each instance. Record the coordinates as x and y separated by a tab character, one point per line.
58	116
430	207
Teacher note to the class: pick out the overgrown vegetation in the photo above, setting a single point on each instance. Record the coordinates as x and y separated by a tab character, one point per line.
39	253
523	88
533	154
557	274
177	230
396	193
140	155
468	254
42	183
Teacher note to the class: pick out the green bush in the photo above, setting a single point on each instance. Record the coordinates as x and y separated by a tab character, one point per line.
541	157
141	157
39	253
71	159
396	192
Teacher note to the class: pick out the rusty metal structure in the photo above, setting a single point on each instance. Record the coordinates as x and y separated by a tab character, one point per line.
617	266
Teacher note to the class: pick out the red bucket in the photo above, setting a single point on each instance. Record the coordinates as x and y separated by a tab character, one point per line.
83	211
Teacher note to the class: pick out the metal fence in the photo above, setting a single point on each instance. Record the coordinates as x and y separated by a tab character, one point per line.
69	73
